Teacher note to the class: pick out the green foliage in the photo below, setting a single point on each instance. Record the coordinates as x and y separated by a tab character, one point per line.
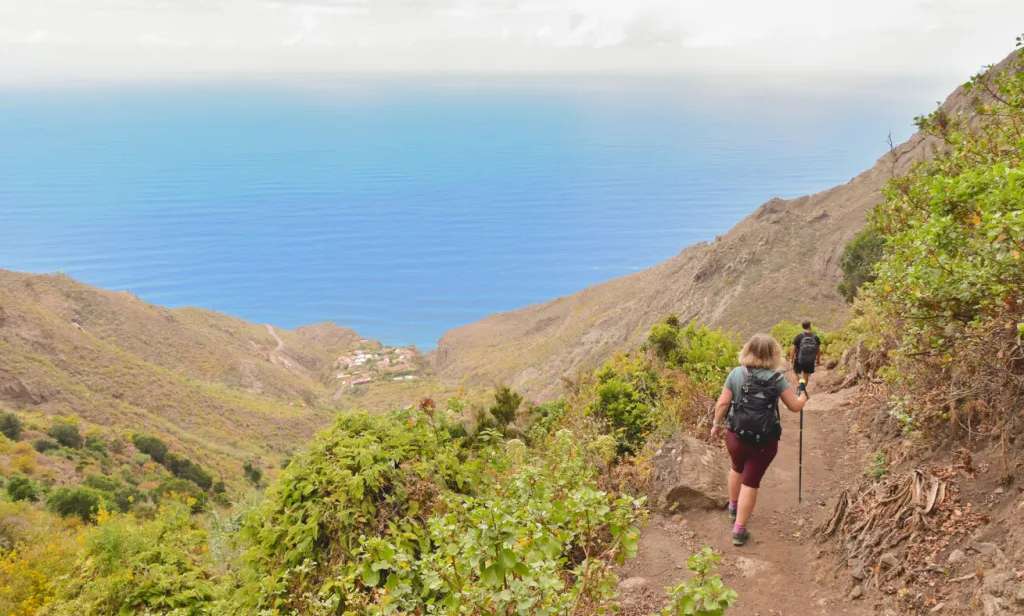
705	355
67	434
152	446
390	515
949	291
116	495
183	490
10	426
506	403
42	445
187	469
178	465
79	501
252	472
704	594
21	488
625	400
879	466
128	566
858	261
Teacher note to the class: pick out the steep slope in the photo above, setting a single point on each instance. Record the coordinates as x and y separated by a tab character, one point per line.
782	261
218	388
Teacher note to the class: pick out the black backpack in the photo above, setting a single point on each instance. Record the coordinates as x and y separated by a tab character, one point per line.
755	416
807	353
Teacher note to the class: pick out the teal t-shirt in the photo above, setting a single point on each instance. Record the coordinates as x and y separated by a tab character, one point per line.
735	380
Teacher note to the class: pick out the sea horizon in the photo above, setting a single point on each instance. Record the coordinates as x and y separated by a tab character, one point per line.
404	208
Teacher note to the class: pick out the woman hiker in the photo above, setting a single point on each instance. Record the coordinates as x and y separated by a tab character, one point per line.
751	397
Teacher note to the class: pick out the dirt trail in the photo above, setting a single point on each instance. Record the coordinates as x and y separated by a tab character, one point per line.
776	573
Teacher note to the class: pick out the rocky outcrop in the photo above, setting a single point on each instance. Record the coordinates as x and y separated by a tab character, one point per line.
688	474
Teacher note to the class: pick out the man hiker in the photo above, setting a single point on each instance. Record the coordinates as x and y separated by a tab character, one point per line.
806	347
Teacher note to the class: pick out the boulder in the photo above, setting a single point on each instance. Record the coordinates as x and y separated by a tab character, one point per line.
689	474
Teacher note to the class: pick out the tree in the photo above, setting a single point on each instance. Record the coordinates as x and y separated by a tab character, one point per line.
506	403
21	488
858	261
152	446
80	501
10	426
67	434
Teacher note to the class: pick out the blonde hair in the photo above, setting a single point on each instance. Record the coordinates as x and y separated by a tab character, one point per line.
761	351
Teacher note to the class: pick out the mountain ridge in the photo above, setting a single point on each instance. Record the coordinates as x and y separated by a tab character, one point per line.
780	262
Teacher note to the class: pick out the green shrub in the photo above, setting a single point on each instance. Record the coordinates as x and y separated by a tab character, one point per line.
95	443
183	490
187	469
128	566
42	445
10	426
21	488
79	501
948	300
252	472
705	355
704	594
67	434
625	400
389	514
858	261
116	495
506	403
151	446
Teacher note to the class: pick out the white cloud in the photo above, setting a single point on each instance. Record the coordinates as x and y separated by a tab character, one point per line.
139	37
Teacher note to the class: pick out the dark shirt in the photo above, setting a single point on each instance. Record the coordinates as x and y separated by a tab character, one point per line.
798	339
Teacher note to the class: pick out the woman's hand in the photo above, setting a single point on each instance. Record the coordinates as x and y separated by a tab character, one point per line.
716	431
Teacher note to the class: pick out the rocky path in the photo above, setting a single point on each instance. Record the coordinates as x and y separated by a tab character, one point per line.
777	573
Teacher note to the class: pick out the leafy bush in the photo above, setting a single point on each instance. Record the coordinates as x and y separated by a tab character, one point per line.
160	566
252	472
389	515
948	299
858	261
21	488
116	495
79	501
42	445
625	399
37	548
706	355
506	403
10	426
152	446
181	490
95	443
67	434
187	469
704	594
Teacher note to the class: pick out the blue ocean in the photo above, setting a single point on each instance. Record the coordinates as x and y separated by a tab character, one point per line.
405	206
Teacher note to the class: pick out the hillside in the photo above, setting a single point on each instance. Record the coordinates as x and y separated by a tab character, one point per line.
780	262
218	388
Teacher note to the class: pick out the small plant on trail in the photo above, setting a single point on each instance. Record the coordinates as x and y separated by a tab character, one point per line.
879	466
704	594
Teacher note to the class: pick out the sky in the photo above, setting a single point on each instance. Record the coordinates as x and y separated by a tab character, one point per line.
58	40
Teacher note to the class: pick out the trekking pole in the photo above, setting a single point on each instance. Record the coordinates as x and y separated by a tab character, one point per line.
800	463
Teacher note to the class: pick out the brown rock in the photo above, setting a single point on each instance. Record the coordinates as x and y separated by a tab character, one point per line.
689	474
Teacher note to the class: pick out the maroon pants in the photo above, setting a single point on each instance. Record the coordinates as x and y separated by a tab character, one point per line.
749	460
